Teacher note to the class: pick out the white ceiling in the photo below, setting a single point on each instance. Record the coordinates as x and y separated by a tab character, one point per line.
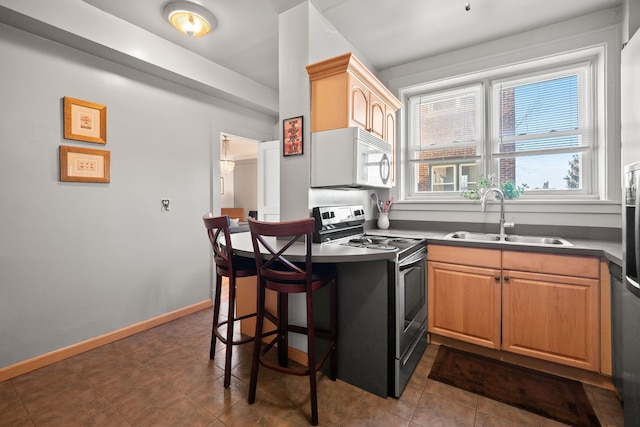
386	32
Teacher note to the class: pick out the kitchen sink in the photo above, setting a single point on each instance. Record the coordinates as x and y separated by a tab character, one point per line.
466	235
509	238
537	240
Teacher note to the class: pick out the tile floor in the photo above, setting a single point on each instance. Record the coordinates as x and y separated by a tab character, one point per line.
163	377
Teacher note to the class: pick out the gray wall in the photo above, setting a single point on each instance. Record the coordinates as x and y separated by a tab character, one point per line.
78	260
305	38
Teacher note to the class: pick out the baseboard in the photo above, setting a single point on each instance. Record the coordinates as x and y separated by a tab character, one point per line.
298	356
37	362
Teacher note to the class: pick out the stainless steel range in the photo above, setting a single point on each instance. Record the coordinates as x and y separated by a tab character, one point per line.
407	272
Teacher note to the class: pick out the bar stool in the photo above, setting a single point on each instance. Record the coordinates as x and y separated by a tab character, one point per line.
278	273
230	266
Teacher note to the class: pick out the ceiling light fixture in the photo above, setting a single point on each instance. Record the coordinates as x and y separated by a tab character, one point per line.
226	165
189	18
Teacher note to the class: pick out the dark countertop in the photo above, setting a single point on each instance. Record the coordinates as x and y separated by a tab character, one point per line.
322	252
609	250
332	252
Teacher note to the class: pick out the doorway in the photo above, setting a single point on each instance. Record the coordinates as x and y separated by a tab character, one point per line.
252	185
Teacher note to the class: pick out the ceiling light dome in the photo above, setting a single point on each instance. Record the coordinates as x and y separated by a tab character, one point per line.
189	18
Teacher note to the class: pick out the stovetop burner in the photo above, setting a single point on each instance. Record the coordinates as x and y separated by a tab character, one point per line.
362	243
367	240
403	240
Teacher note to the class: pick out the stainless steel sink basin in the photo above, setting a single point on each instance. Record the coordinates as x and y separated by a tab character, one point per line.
509	238
466	235
537	240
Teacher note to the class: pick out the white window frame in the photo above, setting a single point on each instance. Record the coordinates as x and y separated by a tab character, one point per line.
592	161
479	143
586	126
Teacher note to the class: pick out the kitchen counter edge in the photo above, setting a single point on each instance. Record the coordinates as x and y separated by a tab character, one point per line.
335	253
610	250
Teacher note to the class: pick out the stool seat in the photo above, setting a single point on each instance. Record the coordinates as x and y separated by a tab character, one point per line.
283	276
231	266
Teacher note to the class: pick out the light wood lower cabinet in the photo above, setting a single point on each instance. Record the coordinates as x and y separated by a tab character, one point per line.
539	305
464	303
551	317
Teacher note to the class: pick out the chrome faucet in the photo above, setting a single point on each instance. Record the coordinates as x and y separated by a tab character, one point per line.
500	194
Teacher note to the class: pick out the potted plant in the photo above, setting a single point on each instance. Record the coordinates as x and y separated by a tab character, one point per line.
508	188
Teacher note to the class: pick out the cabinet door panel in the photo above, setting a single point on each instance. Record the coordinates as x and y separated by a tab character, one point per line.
390	130
551	317
464	303
390	137
377	118
359	106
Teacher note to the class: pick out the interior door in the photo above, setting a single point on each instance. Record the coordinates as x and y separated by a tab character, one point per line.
269	181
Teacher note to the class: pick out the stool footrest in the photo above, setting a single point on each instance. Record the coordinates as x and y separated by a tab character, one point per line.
223	338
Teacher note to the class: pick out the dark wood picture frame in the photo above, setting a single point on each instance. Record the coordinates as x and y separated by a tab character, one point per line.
293	136
84	164
85	121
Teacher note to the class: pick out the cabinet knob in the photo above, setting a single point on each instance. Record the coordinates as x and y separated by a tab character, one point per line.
497	278
506	278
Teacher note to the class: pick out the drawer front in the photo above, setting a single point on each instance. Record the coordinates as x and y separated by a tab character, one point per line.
489	258
565	265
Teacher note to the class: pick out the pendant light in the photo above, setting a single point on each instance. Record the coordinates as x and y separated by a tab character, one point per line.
226	165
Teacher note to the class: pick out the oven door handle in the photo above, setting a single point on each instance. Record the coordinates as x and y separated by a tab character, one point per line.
413	260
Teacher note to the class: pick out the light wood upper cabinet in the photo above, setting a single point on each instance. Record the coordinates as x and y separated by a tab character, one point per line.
377	116
344	93
360	106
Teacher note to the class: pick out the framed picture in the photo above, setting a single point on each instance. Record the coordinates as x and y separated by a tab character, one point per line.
85	121
292	132
84	164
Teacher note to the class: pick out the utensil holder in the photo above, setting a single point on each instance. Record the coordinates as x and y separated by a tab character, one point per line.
383	220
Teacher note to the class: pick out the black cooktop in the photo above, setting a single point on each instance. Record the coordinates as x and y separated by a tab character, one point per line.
380	242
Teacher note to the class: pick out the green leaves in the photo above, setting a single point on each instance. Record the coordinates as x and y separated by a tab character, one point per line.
509	189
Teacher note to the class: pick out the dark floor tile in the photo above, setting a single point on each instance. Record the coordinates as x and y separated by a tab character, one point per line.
141	400
164	376
506	412
214	397
433	410
12	411
180	413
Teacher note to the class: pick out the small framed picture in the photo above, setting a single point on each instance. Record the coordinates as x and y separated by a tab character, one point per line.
85	121
292	132
84	165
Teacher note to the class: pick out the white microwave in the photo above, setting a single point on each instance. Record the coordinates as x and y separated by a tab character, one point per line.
350	158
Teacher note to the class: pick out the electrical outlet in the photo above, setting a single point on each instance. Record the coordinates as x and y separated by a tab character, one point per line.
165	205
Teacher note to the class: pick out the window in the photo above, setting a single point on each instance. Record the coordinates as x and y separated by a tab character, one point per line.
446	138
543	130
534	129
